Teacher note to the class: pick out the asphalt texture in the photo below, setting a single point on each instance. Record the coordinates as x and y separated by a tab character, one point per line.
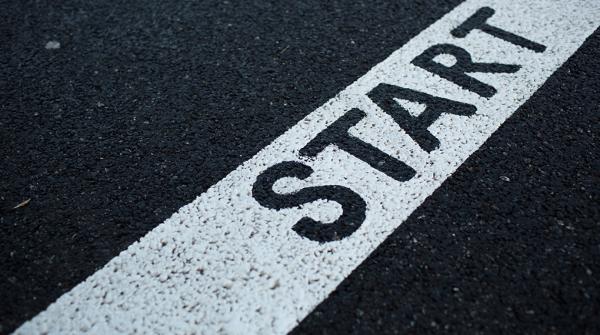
147	104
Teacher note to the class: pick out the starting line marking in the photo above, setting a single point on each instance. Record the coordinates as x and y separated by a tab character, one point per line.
261	248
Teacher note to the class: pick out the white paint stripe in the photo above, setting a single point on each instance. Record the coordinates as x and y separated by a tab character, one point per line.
224	264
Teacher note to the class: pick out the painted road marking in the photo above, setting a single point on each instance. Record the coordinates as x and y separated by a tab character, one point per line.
252	255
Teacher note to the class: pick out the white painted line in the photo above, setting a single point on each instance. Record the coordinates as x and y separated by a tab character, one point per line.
227	264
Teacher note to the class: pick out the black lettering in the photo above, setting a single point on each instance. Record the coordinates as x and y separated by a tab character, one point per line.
338	135
479	21
457	73
383	95
354	207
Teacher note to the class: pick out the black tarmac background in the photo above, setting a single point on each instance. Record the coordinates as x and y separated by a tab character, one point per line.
147	104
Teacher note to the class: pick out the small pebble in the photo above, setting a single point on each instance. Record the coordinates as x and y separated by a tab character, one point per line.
52	45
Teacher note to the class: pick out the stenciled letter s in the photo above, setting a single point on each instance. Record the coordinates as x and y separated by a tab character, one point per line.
354	207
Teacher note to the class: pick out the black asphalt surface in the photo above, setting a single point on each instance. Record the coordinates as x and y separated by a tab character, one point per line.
146	104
